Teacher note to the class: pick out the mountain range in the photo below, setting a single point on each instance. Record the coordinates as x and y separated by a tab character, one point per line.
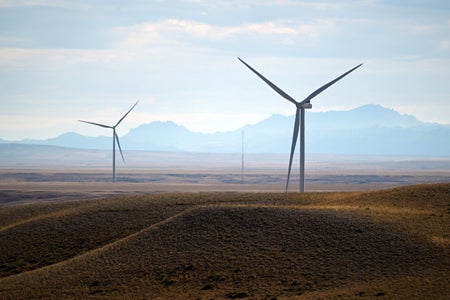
369	129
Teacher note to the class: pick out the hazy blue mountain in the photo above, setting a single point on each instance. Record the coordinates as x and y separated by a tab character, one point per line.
75	140
367	116
370	129
166	136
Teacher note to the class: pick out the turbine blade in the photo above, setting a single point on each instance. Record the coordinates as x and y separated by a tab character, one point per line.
273	86
324	87
294	142
118	144
97	124
126	113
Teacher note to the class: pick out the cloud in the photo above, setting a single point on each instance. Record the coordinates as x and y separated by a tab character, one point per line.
419	28
178	31
444	45
19	58
25	3
321	5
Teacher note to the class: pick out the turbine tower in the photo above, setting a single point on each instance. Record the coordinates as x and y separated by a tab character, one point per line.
242	157
115	138
299	119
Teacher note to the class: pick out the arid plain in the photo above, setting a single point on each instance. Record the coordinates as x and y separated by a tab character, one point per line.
365	229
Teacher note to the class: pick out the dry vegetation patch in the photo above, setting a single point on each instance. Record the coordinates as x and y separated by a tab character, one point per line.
390	243
48	235
421	210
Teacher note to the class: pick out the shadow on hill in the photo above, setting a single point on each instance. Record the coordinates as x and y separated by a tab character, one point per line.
228	251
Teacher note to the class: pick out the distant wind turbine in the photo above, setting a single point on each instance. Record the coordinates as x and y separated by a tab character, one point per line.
115	138
300	114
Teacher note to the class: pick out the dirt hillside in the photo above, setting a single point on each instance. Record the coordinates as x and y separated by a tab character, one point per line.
382	244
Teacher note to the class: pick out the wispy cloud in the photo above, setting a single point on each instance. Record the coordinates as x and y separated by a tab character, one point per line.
322	5
444	45
18	3
17	58
176	30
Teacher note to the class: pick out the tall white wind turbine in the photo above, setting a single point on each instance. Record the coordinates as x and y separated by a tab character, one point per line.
115	139
300	115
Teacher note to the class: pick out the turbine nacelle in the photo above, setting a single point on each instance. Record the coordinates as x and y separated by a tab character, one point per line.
306	105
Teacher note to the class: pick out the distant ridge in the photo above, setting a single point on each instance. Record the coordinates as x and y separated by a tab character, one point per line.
369	129
367	116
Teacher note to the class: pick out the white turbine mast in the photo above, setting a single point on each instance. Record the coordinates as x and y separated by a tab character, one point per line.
115	139
299	115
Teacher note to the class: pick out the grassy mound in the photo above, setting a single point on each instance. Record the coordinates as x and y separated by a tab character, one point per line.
390	243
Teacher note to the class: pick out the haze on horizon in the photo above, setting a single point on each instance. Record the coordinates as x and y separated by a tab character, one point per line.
63	60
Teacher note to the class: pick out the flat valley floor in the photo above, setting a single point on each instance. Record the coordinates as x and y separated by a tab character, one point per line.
19	185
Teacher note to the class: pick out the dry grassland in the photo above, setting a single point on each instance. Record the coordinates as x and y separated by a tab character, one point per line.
387	244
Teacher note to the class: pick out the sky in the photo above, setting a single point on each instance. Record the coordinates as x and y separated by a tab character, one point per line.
65	60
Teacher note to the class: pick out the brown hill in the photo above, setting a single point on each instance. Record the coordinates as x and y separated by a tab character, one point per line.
390	243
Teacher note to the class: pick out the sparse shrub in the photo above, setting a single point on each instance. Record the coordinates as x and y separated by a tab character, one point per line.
11	265
188	267
208	286
215	277
237	295
95	283
168	281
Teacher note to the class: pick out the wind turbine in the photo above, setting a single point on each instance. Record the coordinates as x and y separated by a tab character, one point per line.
299	115
115	138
